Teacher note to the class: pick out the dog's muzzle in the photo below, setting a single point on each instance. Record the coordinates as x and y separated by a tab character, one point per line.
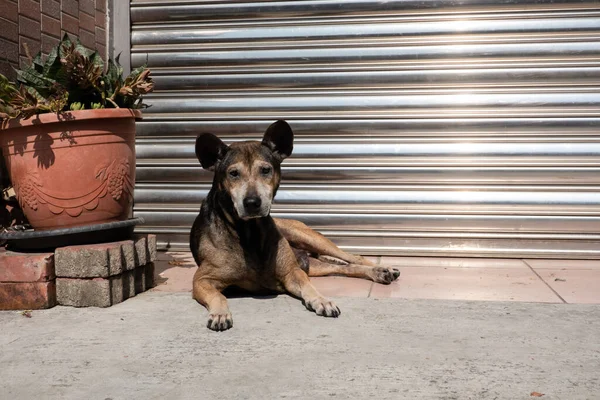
252	205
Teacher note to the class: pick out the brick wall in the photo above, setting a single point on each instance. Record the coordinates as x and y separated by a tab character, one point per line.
41	23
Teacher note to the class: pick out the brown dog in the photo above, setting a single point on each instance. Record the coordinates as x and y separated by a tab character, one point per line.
235	241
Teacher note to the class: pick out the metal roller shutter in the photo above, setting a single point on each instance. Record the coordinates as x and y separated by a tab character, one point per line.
430	127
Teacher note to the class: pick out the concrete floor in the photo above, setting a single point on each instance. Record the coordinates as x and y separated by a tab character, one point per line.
448	329
156	346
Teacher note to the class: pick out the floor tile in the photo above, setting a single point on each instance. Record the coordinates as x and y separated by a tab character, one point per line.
574	285
568	264
449	262
338	286
500	284
173	272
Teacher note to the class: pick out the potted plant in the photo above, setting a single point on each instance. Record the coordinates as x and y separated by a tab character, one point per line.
68	136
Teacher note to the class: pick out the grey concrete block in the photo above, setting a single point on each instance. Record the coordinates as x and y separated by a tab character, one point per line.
140	244
128	255
95	292
104	292
151	246
96	260
82	261
76	292
149	276
144	278
140	279
122	287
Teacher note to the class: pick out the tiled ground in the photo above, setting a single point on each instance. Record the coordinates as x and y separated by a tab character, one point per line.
548	281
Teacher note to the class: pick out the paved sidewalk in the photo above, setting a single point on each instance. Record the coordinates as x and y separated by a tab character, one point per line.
155	346
447	329
547	281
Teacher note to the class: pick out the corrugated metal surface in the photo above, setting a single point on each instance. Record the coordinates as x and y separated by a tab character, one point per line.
422	127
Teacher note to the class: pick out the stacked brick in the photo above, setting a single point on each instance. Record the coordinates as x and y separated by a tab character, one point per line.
104	275
98	275
39	24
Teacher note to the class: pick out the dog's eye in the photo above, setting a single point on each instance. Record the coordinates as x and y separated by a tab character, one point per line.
265	170
234	173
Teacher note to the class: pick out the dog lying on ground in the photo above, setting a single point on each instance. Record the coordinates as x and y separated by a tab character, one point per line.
235	241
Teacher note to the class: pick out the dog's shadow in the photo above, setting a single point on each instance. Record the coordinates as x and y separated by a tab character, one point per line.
174	271
235	292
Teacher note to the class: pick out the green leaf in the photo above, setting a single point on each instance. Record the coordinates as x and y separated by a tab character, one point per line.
97	60
35	79
81	49
52	62
113	79
7	89
72	77
37	63
76	106
136	72
65	43
34	93
116	70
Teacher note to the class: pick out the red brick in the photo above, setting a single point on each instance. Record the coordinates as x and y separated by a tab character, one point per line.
86	21
101	5
100	36
48	42
11	52
100	18
27	295
51	8
50	26
23	61
30	8
101	50
70	7
26	267
29	28
9	10
88	39
87	6
70	24
33	45
9	31
2	57
7	70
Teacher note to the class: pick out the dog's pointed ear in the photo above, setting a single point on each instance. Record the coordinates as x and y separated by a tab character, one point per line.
279	138
210	150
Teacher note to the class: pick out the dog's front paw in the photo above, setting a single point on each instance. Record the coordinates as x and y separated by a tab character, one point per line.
324	307
385	275
219	321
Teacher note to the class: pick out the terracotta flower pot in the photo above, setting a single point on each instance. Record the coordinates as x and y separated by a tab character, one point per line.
74	168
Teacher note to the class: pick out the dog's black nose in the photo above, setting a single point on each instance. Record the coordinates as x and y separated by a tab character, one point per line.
252	204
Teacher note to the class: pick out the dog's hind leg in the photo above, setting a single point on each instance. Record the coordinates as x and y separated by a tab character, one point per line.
302	237
377	274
